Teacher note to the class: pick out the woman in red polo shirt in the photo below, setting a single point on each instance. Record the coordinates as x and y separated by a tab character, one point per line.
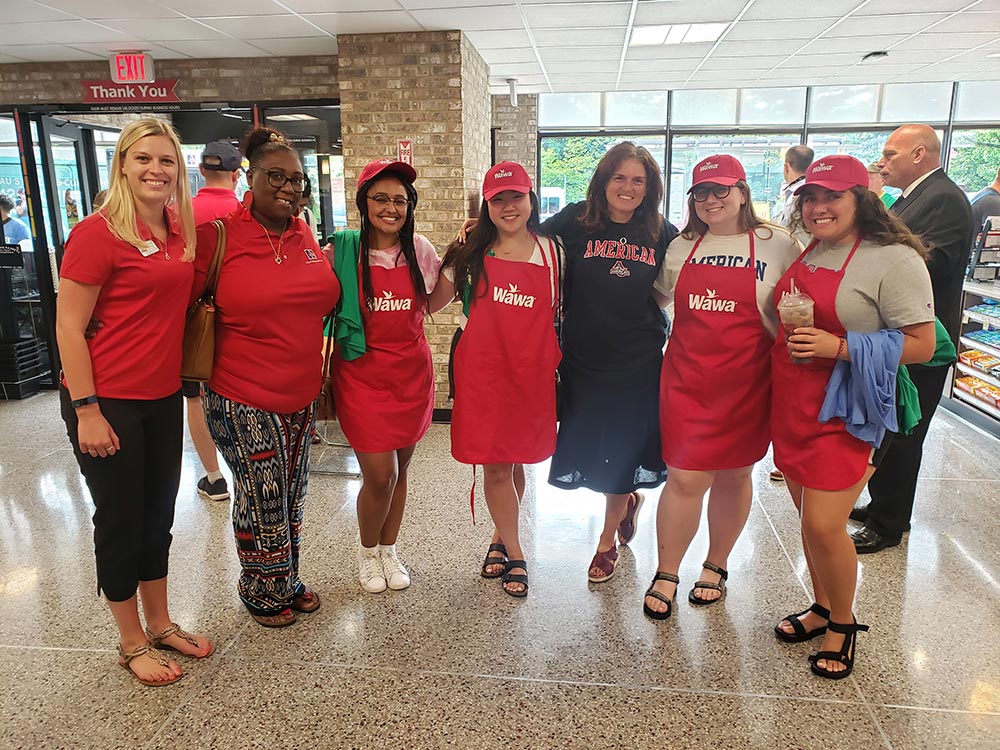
383	377
129	265
275	286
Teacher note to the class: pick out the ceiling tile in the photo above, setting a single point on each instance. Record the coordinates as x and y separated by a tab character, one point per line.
761	31
515	55
262	27
98	9
860	45
423	4
325	6
876	25
966	21
931	40
610	37
23	12
317	45
47	52
600	13
583	66
62	32
364	23
751	49
514	69
881	7
499	39
716	62
199	8
164	28
213	49
473	19
669	52
788	14
718	11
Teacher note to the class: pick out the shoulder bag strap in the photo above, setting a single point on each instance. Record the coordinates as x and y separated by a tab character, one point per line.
212	278
328	328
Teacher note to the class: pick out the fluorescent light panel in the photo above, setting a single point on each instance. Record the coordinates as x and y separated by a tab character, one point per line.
679	33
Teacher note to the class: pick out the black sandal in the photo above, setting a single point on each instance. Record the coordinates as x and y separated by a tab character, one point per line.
660	576
509	577
846	654
494	560
720	586
801	634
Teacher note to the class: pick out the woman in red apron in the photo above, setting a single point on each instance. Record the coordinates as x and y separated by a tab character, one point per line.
385	395
506	359
857	246
715	386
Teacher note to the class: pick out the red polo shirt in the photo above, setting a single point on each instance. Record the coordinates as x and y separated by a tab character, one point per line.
213	203
137	354
269	335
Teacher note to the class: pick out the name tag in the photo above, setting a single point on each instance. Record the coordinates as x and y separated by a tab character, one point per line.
148	249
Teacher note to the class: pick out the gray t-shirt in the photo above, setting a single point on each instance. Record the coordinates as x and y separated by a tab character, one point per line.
774	254
885	286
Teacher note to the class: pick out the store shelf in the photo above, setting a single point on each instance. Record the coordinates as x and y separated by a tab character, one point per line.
973	344
987	321
976	402
962	367
982	289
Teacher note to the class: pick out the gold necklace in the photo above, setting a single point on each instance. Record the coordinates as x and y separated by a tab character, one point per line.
278	257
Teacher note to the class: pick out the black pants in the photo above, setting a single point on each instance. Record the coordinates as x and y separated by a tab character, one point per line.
894	484
133	491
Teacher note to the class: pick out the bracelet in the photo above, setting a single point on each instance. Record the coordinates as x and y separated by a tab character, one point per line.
77	403
840	347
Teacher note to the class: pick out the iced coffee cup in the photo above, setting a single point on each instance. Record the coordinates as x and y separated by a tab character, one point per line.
796	311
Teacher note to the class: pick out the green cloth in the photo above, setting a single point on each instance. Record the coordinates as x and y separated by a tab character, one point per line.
887	199
908	402
349	329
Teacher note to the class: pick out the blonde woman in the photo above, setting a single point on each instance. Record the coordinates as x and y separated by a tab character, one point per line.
129	265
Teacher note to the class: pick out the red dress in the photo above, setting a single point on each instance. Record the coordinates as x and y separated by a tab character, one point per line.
810	453
505	367
385	397
715	389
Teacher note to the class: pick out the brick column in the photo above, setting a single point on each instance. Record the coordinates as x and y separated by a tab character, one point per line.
431	88
517	130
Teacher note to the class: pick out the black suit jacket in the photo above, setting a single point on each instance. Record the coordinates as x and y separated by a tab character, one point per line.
938	211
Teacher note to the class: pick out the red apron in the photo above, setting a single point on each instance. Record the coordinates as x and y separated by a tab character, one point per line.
715	389
810	453
385	397
505	368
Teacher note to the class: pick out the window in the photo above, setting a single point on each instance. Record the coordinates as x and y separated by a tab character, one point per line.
978	100
636	109
772	106
705	107
569	110
975	159
833	104
865	145
915	102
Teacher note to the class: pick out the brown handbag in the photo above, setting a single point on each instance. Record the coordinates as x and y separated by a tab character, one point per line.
199	328
325	408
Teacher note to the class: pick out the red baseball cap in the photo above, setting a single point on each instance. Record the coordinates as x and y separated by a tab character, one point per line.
377	167
838	173
721	169
507	175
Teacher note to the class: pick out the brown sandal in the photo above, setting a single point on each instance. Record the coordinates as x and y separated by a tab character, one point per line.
175	629
627	527
307	601
126	657
283	619
606	562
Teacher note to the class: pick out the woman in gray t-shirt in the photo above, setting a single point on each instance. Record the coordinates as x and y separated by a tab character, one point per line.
864	272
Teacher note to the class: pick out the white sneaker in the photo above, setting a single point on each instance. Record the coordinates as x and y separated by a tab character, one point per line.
396	575
370	571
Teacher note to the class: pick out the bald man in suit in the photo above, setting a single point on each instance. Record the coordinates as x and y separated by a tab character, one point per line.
933	207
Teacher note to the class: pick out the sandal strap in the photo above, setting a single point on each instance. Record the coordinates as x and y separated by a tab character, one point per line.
848	629
661	576
796	624
819	609
146	648
662	597
710	585
511	564
173	629
497	548
515	578
838	656
715	569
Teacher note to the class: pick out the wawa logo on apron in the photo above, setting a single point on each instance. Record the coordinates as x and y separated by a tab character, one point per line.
513	297
709	301
389	302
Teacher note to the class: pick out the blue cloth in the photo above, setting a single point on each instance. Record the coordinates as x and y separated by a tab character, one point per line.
15	230
862	392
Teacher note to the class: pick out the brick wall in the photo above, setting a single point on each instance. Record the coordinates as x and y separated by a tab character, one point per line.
431	88
237	79
517	130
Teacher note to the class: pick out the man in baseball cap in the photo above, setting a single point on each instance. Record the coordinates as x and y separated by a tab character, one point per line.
221	156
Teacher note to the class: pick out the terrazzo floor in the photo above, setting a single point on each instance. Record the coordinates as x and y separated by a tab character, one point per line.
454	663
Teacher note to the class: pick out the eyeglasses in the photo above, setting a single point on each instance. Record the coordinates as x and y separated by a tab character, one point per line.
701	194
384	200
279	180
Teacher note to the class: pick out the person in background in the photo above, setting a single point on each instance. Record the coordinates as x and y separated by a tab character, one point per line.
129	265
985	203
935	209
865	274
715	387
275	286
72	209
220	166
797	161
505	361
307	214
21	204
877	185
382	372
14	230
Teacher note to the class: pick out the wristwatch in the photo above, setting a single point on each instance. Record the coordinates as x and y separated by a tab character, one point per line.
77	403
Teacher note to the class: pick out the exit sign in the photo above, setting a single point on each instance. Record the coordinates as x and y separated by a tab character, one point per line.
132	67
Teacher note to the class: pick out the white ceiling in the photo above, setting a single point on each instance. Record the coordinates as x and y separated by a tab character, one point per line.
548	45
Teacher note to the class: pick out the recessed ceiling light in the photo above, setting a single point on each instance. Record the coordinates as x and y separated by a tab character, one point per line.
877	55
680	33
